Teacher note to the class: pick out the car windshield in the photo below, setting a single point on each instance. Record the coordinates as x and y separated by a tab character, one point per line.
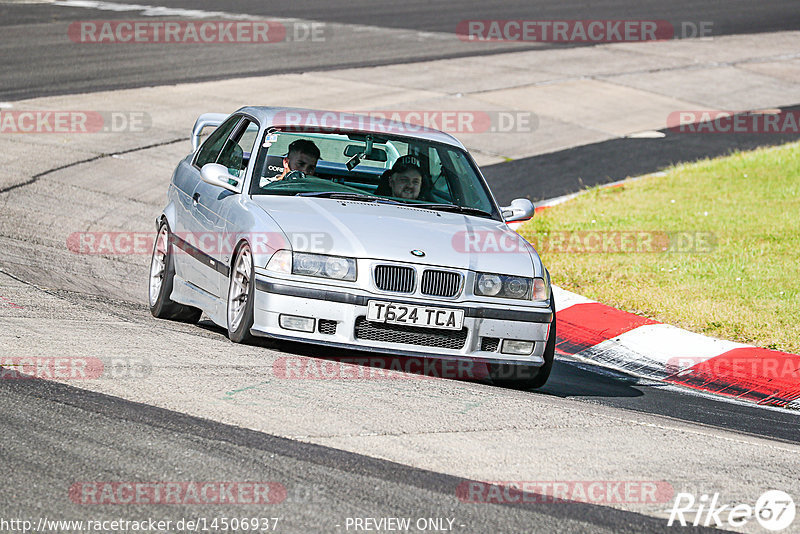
375	167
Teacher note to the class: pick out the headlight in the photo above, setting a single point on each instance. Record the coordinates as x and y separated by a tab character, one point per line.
339	268
334	267
516	288
510	287
307	264
488	284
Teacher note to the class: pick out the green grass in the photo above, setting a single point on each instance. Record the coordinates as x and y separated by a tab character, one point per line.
744	287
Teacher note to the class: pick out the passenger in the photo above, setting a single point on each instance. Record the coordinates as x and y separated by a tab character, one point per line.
406	180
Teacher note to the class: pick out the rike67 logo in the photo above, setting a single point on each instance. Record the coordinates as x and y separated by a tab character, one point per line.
774	510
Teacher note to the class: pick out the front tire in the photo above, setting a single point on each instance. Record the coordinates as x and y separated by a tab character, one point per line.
241	296
162	274
524	376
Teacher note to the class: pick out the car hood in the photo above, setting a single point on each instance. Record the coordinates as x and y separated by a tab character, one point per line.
391	232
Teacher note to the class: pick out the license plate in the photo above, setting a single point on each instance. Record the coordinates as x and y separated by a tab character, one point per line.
411	315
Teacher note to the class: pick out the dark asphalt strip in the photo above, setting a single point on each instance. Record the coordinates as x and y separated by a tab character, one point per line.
57	435
568	171
723	18
584	381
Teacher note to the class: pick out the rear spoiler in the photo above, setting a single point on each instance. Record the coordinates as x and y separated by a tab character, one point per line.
205	120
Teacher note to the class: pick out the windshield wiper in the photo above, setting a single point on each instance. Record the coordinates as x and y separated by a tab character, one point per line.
346	196
455	208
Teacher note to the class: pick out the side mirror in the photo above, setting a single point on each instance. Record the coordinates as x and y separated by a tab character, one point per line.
216	174
521	209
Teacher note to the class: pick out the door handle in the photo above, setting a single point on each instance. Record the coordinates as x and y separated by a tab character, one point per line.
195	198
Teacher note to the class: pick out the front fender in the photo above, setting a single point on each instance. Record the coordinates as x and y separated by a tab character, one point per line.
260	230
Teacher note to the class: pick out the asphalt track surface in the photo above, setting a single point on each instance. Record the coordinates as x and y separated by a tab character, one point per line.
563	172
40	59
51	440
56	434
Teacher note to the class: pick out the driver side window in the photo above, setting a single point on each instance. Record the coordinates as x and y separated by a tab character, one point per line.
235	154
210	150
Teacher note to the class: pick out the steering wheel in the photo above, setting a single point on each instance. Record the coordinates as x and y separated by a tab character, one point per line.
295	175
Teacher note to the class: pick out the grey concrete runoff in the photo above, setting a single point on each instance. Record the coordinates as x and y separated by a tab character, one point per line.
59	303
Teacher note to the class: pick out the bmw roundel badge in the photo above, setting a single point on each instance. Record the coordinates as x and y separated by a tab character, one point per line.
417	253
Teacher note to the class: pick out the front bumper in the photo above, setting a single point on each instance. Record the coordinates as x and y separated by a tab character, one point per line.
339	321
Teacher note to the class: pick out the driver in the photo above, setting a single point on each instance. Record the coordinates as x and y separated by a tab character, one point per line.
302	156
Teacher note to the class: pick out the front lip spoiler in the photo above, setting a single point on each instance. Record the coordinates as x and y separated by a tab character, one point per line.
533	316
395	352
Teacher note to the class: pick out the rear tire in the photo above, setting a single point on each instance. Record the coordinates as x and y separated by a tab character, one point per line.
525	376
162	273
241	294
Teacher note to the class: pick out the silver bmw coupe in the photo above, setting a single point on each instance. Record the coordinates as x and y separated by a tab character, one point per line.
354	232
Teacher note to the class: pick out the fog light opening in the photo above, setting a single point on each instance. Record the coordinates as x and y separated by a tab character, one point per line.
295	322
517	347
